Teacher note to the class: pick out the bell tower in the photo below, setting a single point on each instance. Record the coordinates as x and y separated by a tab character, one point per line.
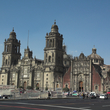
53	59
11	52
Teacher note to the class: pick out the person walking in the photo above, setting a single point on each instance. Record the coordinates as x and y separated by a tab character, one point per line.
49	94
83	96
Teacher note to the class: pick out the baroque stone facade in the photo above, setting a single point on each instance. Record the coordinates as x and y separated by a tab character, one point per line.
58	69
88	74
32	72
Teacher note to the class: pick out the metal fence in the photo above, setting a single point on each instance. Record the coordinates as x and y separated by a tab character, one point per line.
34	94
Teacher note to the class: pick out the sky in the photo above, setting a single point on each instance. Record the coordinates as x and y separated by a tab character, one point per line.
85	24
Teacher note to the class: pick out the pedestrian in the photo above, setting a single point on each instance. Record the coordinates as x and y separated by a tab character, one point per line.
83	96
87	95
49	95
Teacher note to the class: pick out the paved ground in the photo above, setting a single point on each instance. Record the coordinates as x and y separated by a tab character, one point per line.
56	104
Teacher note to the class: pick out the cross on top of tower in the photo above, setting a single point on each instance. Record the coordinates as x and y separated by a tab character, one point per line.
54	21
13	29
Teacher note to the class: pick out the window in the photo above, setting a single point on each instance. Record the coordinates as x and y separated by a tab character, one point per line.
103	68
2	79
96	87
6	48
96	60
47	43
52	54
46	55
6	61
46	78
46	74
2	76
17	49
49	58
50	43
2	82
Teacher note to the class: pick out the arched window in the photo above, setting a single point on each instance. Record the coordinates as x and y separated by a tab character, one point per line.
6	48
17	49
96	87
52	54
6	61
49	58
47	43
57	86
46	55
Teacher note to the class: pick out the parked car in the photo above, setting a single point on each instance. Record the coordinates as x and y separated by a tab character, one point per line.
108	92
103	96
6	96
75	94
92	96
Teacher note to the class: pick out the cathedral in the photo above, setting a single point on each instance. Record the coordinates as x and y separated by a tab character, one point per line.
58	70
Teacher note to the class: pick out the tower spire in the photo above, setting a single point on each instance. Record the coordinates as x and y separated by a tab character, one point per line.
13	29
55	21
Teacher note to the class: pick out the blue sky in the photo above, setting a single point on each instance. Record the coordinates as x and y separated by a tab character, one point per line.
83	23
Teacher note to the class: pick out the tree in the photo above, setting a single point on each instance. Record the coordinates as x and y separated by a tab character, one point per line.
20	87
37	88
46	88
66	89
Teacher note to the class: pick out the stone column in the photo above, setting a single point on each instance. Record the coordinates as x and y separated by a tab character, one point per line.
6	81
16	78
30	79
2	60
55	43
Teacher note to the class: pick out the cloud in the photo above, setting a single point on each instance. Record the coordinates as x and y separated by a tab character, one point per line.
73	51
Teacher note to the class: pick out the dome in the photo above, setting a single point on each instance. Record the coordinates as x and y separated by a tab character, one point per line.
12	35
94	55
54	28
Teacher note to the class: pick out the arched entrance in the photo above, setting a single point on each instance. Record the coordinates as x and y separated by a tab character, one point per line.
24	85
12	84
80	86
37	86
57	86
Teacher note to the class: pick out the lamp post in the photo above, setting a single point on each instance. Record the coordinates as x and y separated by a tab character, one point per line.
53	86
